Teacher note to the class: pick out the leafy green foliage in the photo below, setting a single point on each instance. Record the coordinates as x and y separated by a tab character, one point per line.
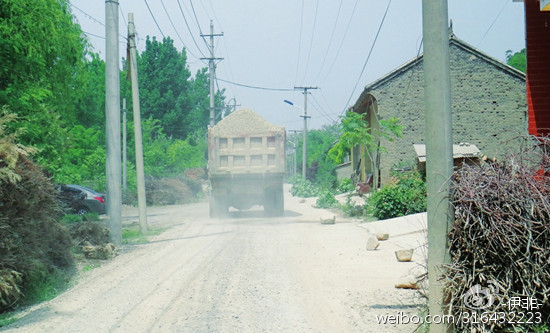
518	60
355	131
352	210
42	52
303	188
407	196
346	185
319	142
326	199
169	94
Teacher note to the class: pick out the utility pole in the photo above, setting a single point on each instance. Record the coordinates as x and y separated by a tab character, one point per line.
439	149
112	122
124	156
212	69
305	116
142	203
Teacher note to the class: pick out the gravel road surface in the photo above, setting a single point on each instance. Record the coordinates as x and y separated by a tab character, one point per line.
246	273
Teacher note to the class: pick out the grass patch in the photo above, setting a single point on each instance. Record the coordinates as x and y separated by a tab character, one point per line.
42	285
132	234
7	318
90	266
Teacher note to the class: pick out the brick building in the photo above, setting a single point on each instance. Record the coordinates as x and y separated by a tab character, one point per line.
537	17
488	105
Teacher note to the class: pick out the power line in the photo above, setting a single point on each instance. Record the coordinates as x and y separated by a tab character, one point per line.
342	40
176	30
368	57
254	87
189	29
197	21
154	19
330	40
321	110
299	42
87	15
491	26
311	41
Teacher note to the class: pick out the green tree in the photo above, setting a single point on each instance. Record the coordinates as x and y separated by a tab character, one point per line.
164	83
319	142
517	60
41	56
355	131
90	105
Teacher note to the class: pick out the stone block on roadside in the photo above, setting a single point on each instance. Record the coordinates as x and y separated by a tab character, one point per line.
372	243
331	220
407	282
102	252
382	236
404	255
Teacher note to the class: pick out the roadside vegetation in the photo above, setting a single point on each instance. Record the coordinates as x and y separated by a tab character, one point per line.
404	195
52	131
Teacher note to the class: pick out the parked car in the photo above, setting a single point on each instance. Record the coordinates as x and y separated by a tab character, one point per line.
80	200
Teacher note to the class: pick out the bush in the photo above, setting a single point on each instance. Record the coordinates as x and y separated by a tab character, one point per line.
407	196
352	210
326	200
303	188
346	185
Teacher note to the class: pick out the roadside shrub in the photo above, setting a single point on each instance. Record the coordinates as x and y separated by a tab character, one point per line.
407	196
346	185
352	210
326	200
303	188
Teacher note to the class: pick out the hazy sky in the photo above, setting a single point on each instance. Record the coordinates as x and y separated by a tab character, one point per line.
281	44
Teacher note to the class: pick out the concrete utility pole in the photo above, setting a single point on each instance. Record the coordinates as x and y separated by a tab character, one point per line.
212	70
142	203
305	116
112	117
439	148
124	155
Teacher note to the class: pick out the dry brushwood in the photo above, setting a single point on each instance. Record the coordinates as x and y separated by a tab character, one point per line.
501	236
10	292
30	237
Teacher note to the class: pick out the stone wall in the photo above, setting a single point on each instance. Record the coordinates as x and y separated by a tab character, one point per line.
488	104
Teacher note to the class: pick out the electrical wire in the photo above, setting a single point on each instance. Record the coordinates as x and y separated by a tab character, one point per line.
176	30
330	41
299	42
98	22
122	15
491	26
154	19
368	57
189	29
87	15
321	110
198	24
342	41
311	41
254	87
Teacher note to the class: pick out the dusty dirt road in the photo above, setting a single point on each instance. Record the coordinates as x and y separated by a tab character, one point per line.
245	273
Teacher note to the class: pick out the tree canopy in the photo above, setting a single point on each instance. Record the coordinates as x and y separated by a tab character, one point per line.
55	85
517	60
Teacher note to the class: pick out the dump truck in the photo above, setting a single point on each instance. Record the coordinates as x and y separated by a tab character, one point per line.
246	164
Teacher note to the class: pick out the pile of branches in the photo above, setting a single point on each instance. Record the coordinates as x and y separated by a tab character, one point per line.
500	243
31	240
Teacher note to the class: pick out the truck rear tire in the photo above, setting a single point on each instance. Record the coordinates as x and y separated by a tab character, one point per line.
274	202
217	207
